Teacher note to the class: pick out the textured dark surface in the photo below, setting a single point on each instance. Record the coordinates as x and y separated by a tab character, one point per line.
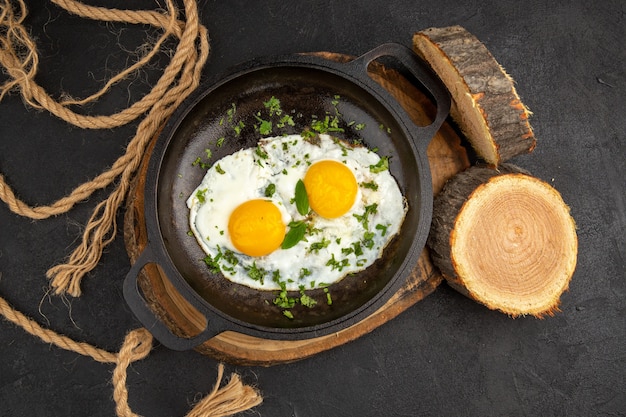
446	356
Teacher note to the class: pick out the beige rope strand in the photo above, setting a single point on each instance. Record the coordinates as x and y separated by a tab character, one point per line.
136	340
233	398
101	228
16	31
184	67
172	24
37	97
19	58
48	336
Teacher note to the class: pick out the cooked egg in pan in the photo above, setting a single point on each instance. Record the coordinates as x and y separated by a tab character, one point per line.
296	214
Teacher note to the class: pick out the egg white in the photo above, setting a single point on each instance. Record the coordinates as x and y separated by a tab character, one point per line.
333	248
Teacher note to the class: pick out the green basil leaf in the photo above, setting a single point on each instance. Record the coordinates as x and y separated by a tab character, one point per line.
295	234
302	199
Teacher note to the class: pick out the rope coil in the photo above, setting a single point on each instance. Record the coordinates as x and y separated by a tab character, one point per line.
19	59
18	56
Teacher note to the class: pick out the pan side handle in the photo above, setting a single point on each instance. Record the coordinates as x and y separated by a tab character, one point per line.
422	73
148	318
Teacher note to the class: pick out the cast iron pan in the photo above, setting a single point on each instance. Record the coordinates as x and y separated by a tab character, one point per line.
306	86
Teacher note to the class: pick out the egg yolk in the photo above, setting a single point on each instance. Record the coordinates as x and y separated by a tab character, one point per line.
331	188
256	227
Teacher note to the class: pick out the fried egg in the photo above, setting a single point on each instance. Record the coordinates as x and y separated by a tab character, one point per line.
259	231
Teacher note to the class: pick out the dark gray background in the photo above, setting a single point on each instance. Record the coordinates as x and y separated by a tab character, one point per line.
446	356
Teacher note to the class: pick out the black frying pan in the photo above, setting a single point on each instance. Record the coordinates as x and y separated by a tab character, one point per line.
305	85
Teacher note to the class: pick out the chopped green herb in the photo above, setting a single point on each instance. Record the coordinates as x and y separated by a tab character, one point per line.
200	195
315	247
256	273
286	120
288	314
304	272
306	300
308	135
368	240
265	127
261	153
327	125
334	264
382	228
273	105
208	152
219	169
239	127
359	126
212	263
372	185
190	233
229	256
231	112
380	166
220	141
283	300
270	189
329	299
363	218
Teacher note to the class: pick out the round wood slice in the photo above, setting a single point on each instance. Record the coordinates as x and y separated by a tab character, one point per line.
485	104
504	239
447	157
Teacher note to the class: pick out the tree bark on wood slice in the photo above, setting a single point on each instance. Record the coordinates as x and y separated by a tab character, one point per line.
485	104
505	239
447	157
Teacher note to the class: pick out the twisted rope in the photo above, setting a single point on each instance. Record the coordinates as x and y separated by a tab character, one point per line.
230	399
18	57
182	75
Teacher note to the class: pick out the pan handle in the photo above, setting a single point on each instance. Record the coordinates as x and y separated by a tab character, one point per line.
147	317
420	70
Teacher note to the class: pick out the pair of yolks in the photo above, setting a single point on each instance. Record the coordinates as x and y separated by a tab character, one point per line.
256	227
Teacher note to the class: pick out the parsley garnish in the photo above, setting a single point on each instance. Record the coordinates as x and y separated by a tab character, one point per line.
212	263
273	104
368	240
255	273
239	127
285	120
381	165
265	127
363	218
315	247
270	189
306	300
200	195
304	272
339	265
329	299
372	185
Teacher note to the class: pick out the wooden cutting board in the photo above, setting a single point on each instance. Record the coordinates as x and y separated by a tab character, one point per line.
447	156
